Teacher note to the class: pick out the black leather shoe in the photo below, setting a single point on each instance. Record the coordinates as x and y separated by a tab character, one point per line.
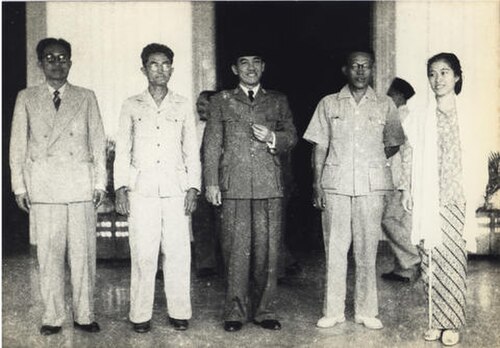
47	330
395	277
232	326
92	327
142	327
179	324
269	324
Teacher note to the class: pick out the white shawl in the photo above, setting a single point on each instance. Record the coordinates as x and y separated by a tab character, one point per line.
421	130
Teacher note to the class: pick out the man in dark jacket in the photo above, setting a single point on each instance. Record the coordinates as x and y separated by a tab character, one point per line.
248	127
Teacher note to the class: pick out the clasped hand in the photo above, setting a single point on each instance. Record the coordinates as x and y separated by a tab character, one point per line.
262	133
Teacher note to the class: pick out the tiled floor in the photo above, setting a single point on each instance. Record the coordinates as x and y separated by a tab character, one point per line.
402	310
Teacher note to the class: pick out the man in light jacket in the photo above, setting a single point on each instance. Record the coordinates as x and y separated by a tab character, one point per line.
157	177
57	159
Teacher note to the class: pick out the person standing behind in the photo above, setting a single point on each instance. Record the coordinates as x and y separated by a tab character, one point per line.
58	164
433	185
204	220
396	222
353	132
247	127
158	175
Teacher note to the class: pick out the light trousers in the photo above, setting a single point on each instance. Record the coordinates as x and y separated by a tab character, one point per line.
349	219
159	223
66	229
396	223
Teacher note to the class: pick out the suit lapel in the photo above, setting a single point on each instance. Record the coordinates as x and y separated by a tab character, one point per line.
241	96
44	105
68	110
261	96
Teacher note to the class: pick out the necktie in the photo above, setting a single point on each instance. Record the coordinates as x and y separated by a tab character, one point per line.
250	95
56	99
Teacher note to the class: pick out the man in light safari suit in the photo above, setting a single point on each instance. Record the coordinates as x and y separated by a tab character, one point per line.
57	159
353	131
246	130
157	179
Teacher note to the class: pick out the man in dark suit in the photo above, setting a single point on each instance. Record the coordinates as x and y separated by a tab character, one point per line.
248	127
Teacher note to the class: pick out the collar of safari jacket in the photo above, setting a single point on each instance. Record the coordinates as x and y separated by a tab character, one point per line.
146	98
345	93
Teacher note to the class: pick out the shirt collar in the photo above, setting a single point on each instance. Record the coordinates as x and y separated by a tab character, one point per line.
61	89
345	92
254	89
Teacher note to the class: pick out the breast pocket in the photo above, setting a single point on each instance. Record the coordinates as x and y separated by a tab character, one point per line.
338	126
142	126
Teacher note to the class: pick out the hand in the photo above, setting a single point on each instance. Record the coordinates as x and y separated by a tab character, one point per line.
23	202
98	197
213	195
262	133
406	201
319	199
190	201
121	201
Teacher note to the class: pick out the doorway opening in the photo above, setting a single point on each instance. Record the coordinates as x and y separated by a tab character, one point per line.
304	44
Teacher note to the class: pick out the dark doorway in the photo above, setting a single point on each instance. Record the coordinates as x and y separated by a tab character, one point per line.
14	221
304	45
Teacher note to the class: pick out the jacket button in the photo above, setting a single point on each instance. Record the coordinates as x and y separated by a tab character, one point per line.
157	127
71	153
157	161
71	133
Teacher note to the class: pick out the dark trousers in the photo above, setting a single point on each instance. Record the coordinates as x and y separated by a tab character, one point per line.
250	240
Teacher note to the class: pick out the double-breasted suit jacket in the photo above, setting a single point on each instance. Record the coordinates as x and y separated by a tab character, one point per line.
242	166
57	156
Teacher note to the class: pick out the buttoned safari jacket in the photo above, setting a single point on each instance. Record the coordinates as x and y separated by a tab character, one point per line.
157	150
355	135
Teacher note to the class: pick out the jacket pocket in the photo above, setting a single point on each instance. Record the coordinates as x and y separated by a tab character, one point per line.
380	177
330	176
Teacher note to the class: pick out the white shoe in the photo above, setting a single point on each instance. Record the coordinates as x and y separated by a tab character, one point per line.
370	323
432	334
450	337
327	322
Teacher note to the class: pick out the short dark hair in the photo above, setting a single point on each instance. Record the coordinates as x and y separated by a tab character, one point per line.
402	87
156	48
365	50
44	43
454	63
207	94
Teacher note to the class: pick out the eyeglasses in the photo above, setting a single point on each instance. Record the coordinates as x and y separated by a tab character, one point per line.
51	58
364	66
157	66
